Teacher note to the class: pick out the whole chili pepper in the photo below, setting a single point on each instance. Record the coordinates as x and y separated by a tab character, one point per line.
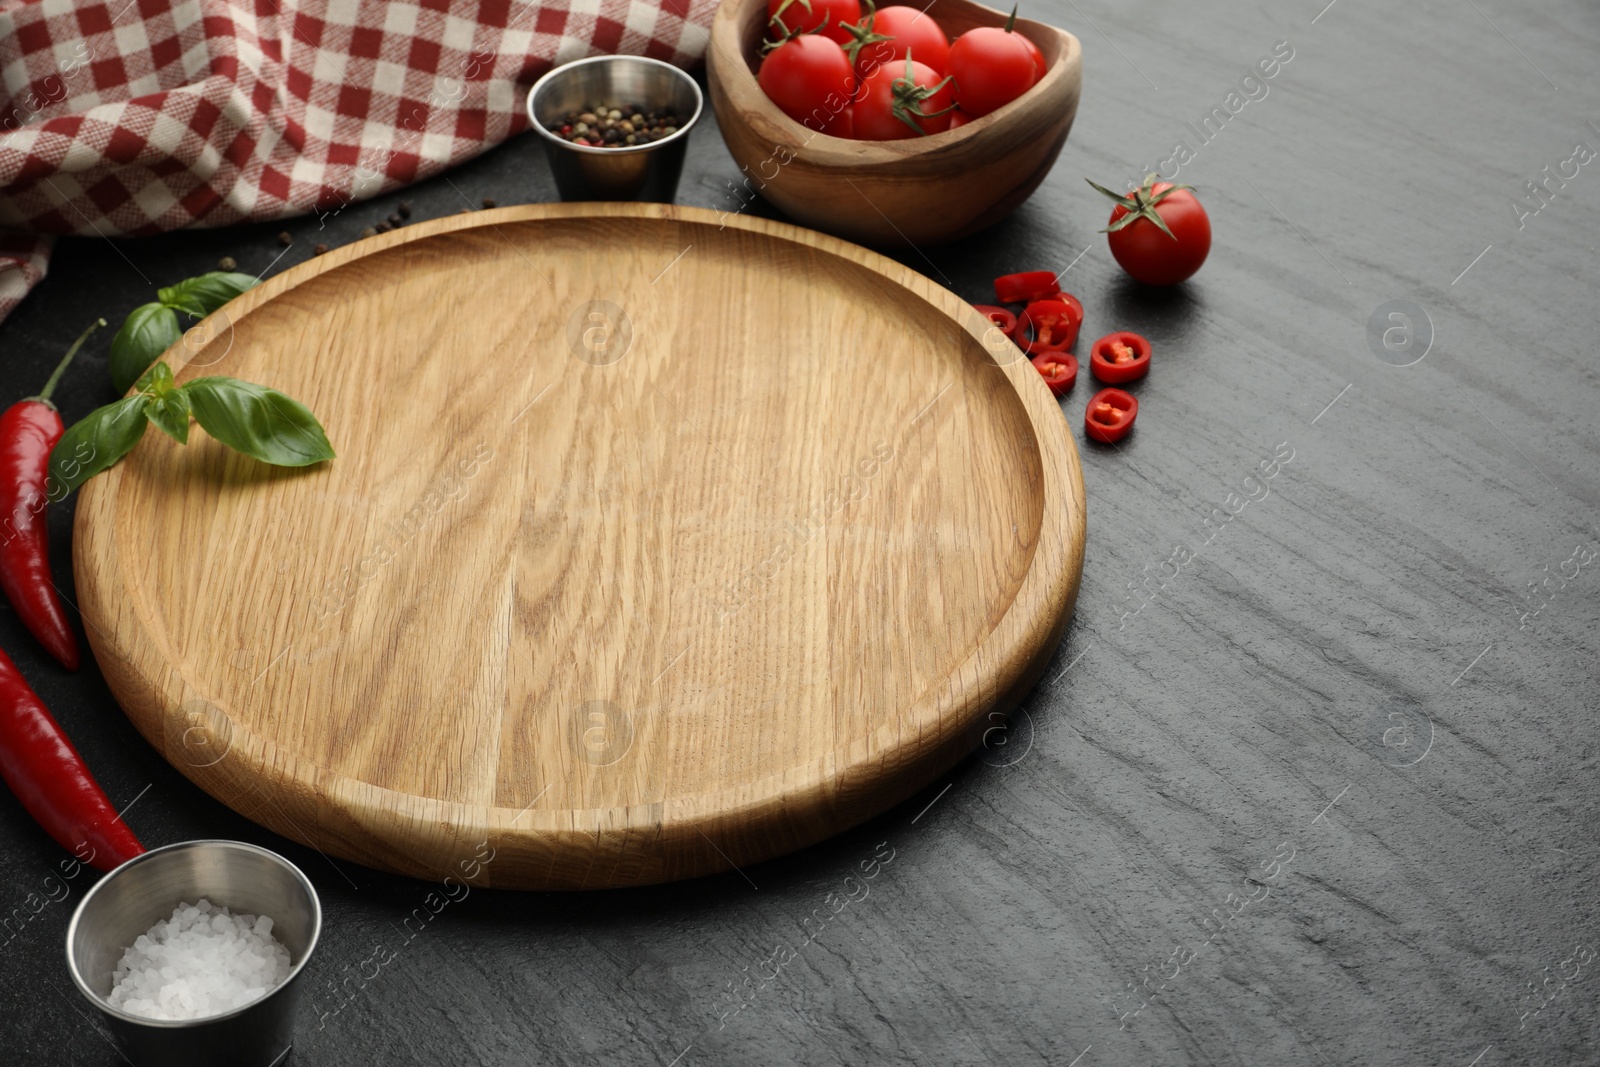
28	431
49	777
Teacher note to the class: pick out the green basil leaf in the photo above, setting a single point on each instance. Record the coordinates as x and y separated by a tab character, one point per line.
96	442
258	421
202	295
155	382
170	412
147	332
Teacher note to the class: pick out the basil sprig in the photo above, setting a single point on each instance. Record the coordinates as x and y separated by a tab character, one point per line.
258	421
151	329
249	418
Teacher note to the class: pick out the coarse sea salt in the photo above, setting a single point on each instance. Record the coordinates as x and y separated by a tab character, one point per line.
202	961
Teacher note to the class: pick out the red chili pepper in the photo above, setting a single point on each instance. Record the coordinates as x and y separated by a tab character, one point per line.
28	431
1110	415
1060	370
1029	285
999	316
1120	357
1049	325
1072	302
49	777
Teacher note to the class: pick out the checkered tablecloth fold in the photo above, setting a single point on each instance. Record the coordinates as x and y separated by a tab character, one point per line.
140	116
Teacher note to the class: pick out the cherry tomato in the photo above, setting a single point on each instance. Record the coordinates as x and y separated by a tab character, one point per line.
884	37
801	75
1050	325
843	124
805	16
1033	50
991	68
1163	252
1110	415
902	101
1060	370
959	118
1120	357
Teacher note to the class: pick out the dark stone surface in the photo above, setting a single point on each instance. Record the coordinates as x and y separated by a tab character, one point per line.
1377	591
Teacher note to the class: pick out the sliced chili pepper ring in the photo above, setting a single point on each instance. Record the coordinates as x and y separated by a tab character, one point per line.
1071	301
1048	326
1060	370
1000	316
1110	415
1028	286
1120	357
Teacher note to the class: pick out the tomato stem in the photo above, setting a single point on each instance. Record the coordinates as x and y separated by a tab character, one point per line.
864	32
785	34
778	14
1140	204
908	97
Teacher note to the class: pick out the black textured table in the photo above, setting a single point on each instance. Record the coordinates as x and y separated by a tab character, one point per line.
1312	779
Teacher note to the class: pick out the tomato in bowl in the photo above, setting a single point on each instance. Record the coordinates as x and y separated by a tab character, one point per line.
914	190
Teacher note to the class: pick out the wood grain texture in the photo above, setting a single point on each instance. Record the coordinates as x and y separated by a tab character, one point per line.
912	192
1168	757
624	501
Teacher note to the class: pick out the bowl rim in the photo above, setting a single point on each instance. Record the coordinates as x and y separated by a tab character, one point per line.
181	1024
553	72
720	60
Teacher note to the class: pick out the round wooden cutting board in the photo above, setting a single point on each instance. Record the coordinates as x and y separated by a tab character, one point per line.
659	541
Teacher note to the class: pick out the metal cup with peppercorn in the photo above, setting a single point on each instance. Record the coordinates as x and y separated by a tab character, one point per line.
615	127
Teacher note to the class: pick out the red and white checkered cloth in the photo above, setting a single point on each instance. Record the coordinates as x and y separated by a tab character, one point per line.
138	116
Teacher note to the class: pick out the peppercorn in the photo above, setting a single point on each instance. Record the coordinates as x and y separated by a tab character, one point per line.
319	250
284	239
404	210
488	202
615	126
227	263
369	232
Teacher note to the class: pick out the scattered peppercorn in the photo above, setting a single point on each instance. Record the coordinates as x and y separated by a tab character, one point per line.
369	232
488	202
227	263
404	210
284	239
395	221
383	227
319	250
605	126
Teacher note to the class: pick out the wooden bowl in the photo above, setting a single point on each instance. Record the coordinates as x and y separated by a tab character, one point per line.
918	191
